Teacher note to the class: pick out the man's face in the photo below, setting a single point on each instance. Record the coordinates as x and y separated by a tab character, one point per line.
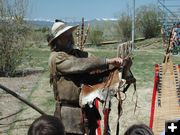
64	39
178	26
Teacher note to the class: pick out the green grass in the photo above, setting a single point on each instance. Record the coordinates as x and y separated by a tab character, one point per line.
143	66
37	57
104	53
50	102
143	63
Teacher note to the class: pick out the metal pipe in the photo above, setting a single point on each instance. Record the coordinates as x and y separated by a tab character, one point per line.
133	24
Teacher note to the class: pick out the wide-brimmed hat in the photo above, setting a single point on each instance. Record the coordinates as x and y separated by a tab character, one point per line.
59	28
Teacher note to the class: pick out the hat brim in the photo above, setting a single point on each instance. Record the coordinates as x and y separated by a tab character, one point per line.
68	28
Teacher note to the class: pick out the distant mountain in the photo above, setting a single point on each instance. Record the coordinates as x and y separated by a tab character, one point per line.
40	23
48	23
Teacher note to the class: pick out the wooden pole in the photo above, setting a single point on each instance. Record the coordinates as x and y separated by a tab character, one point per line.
22	99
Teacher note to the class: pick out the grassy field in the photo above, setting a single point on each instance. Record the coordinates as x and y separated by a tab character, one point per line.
145	56
143	62
36	57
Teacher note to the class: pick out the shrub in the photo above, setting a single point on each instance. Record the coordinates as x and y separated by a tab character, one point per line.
147	21
11	46
95	36
123	27
12	36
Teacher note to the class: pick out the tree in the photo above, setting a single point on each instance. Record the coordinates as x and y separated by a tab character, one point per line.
124	26
95	35
12	35
147	20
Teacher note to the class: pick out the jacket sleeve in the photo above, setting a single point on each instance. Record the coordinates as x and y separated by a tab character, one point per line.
68	64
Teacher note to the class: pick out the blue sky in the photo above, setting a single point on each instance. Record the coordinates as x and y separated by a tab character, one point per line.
76	9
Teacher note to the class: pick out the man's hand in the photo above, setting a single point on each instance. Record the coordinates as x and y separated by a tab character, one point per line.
117	62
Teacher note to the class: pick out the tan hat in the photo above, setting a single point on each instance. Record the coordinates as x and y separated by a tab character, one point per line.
59	28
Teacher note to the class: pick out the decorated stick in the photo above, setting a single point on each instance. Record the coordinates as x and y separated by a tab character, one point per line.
78	37
163	37
85	37
170	40
82	34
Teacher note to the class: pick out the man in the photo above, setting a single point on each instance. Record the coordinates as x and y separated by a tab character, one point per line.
69	69
139	129
46	125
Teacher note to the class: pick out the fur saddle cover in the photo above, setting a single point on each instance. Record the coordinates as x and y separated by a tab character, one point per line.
106	90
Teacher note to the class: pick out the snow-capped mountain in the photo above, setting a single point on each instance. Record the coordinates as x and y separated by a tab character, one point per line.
49	23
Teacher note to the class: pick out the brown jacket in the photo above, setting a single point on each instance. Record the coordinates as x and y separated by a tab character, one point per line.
71	72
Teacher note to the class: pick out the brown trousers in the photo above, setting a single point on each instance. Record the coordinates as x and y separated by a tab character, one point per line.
71	117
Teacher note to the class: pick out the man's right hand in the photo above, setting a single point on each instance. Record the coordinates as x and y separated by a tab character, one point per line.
117	62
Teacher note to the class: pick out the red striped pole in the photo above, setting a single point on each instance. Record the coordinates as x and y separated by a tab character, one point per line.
98	122
154	96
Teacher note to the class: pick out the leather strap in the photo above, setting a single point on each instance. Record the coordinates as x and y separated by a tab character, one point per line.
119	112
69	103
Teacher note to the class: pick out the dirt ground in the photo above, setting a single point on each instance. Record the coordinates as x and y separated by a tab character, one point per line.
15	116
10	107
